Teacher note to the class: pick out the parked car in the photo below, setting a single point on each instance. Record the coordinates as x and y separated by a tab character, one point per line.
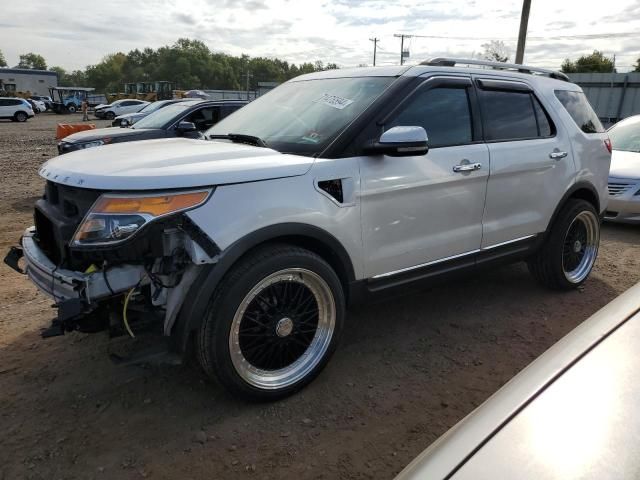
187	118
129	119
17	109
572	413
119	107
624	177
47	100
323	192
38	106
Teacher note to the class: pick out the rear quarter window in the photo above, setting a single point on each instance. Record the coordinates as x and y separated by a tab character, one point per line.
577	105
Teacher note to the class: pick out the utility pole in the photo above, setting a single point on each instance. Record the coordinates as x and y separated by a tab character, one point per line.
402	36
522	34
248	75
375	41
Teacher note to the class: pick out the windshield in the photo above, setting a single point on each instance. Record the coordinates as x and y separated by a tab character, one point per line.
161	117
625	135
304	117
153	106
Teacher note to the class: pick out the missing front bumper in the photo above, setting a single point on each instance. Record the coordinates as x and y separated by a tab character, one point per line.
62	284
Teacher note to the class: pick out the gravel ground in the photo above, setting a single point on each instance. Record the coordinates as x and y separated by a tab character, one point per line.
407	370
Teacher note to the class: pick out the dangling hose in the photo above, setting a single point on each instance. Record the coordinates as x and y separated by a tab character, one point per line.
124	312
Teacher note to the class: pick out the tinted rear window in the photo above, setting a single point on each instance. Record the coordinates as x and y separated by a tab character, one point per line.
577	105
508	115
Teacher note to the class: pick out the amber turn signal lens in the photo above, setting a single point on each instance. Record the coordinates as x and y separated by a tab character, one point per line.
153	205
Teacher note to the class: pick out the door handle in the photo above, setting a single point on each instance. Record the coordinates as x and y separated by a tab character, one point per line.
557	154
467	167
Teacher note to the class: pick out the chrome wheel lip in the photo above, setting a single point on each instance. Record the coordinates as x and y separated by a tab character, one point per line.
305	364
592	226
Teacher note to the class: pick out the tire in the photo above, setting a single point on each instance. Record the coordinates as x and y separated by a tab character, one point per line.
109	115
568	254
20	117
72	108
272	323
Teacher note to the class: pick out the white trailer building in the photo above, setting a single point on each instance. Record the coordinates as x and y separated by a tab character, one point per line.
26	80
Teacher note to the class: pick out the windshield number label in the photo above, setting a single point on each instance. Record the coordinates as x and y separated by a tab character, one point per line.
334	101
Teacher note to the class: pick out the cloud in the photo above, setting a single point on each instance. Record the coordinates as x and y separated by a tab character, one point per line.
304	31
185	18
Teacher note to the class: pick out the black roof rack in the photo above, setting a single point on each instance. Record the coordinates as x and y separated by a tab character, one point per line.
452	62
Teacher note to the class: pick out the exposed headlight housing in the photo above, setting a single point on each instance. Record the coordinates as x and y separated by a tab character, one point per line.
95	143
114	218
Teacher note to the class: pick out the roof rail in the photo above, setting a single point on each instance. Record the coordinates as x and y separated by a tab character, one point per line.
451	62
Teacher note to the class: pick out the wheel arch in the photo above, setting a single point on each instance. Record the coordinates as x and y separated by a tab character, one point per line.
306	236
580	190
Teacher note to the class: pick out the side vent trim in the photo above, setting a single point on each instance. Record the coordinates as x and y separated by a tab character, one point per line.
333	188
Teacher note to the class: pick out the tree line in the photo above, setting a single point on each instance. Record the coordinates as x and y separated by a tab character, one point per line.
188	63
191	65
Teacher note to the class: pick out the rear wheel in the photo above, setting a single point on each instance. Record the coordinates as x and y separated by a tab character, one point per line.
273	323
569	253
20	117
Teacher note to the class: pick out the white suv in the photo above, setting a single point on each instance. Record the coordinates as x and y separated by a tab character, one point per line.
17	109
319	194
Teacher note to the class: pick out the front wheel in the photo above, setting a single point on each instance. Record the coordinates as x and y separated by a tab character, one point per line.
21	117
72	108
110	115
273	323
569	253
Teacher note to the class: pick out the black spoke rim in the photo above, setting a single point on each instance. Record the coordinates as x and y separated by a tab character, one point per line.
261	342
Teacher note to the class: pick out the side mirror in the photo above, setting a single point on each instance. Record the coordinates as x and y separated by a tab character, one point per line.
184	127
400	142
124	123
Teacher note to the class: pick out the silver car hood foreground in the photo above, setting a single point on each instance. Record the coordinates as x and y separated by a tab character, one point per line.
535	404
171	163
625	164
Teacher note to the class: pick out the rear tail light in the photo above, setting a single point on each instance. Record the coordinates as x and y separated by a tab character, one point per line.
607	143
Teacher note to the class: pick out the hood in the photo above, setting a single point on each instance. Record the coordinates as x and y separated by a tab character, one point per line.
625	164
131	115
171	163
102	105
102	133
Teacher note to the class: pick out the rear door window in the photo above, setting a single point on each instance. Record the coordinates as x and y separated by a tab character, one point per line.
508	115
577	105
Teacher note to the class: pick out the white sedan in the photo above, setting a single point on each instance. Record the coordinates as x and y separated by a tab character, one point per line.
40	105
624	176
119	107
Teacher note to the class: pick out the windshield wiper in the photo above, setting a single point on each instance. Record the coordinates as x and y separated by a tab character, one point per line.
241	138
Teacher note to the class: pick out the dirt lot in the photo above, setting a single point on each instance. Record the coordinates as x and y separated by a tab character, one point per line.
407	370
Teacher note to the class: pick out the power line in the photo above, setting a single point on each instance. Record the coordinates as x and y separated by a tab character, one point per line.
552	37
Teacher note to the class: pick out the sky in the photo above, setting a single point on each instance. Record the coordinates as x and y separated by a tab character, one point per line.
73	34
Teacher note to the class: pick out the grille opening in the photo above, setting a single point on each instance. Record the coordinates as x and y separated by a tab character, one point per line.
617	188
46	237
70	210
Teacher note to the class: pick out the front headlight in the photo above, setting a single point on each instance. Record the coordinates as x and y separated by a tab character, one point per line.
95	143
115	218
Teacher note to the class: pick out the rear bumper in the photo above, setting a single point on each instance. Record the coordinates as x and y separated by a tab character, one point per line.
61	284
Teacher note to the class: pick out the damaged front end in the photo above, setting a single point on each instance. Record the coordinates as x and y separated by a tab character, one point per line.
114	261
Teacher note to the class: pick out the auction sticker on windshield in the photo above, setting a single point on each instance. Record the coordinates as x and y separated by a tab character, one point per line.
334	101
